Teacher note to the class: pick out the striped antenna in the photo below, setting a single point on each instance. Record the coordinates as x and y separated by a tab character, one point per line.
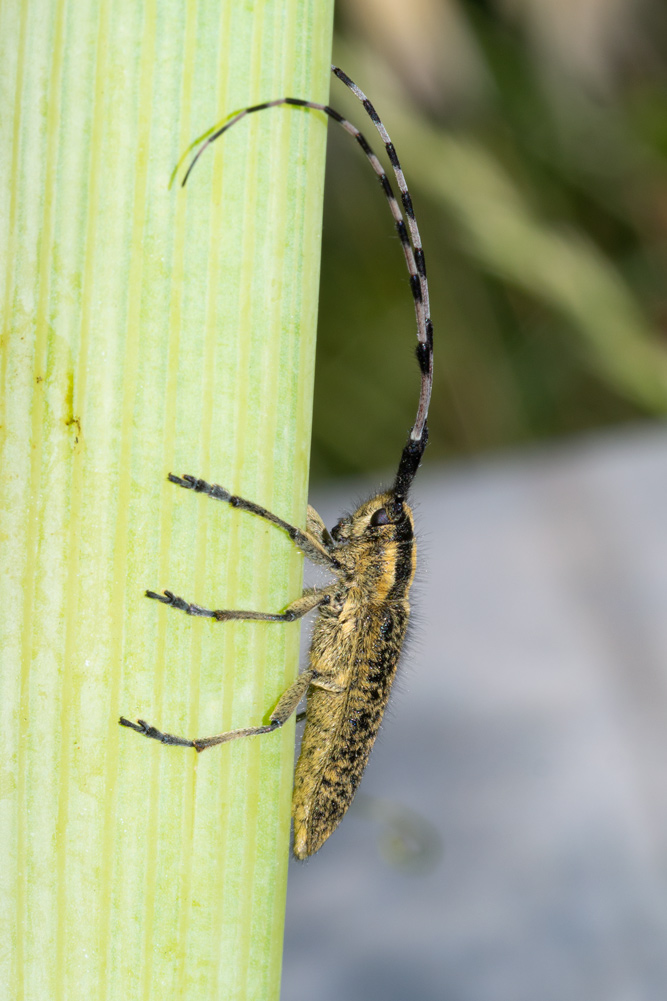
410	242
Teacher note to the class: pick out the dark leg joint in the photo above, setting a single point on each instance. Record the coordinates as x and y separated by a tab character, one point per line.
166	597
213	490
141	726
186	481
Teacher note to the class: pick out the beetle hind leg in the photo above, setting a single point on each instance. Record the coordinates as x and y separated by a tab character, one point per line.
286	705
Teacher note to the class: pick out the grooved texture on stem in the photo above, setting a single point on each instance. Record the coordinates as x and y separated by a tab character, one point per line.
147	331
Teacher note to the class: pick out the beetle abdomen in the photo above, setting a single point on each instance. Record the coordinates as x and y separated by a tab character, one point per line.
340	731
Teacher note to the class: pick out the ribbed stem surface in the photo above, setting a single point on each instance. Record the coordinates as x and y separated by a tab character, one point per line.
147	331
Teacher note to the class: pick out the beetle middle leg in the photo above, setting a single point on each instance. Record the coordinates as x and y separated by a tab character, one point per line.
310	599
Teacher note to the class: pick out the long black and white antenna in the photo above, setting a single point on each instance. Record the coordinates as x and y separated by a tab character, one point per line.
412	249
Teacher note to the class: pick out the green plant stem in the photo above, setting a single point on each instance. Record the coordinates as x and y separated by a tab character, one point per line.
147	331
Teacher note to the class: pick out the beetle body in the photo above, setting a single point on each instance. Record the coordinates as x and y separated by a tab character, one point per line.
356	644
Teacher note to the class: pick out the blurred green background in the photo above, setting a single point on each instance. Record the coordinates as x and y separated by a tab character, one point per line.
533	134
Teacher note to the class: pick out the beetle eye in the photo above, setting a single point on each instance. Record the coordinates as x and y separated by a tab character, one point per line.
380	517
335	532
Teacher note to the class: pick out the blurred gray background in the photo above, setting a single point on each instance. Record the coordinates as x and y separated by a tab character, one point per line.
525	748
509	843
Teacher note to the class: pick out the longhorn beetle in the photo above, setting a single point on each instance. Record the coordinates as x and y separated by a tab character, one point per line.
363	614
